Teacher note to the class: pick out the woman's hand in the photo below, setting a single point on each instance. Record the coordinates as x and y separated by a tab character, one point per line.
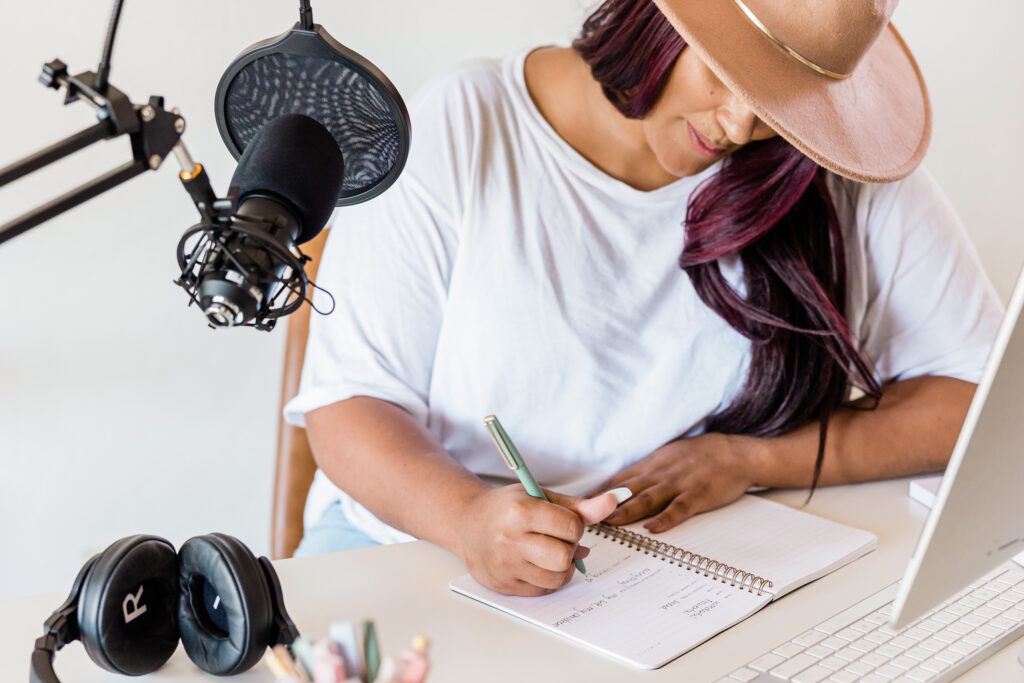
519	545
681	479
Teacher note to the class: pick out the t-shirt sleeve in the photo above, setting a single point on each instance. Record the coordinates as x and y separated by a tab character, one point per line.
386	263
928	306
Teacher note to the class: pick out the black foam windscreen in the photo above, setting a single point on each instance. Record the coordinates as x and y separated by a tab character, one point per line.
306	71
295	159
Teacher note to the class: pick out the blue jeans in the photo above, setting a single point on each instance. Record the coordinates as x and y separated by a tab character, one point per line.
331	533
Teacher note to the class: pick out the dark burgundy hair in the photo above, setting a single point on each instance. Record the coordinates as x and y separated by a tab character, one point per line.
769	205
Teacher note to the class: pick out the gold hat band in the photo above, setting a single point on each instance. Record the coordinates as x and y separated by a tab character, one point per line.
786	48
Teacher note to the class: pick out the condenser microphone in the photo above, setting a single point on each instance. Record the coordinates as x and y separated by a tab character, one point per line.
246	269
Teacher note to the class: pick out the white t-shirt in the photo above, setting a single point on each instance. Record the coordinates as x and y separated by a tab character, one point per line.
504	273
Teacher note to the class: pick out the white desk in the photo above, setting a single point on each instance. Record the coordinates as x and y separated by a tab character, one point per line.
404	588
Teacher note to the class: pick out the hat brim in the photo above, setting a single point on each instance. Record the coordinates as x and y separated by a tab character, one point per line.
874	126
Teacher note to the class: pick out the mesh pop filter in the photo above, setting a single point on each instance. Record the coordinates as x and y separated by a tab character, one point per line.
306	71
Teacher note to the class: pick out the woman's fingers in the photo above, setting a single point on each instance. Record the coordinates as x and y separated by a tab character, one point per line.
646	501
679	509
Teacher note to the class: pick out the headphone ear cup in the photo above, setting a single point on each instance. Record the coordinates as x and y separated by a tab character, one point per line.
225	612
127	611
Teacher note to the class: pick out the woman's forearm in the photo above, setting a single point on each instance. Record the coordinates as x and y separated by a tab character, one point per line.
395	467
913	430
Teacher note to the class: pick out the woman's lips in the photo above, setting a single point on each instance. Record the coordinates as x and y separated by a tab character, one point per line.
701	145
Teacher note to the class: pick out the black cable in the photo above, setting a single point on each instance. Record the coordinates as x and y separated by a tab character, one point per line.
103	70
305	15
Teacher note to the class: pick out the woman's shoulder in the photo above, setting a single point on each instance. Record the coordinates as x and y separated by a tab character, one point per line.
895	211
470	85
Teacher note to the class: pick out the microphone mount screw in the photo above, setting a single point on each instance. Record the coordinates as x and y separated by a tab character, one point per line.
154	161
179	125
148	113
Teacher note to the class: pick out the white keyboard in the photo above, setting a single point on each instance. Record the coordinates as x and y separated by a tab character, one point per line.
858	645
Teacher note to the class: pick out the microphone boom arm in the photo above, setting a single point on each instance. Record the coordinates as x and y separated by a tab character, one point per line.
154	133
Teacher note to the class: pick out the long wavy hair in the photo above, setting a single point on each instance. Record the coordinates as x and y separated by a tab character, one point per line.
769	205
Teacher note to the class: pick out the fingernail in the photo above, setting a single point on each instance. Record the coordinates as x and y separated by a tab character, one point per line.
621	494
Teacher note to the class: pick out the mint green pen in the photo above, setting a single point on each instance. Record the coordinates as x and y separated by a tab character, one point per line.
518	465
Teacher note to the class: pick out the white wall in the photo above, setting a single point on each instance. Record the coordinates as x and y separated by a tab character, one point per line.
120	412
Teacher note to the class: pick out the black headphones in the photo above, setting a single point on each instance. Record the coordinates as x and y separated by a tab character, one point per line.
130	604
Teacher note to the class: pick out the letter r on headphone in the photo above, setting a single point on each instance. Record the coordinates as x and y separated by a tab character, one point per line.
137	610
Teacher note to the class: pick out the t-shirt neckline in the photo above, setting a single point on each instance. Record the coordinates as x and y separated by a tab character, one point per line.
582	166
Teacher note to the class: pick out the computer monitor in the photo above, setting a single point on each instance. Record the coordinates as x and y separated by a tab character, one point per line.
977	522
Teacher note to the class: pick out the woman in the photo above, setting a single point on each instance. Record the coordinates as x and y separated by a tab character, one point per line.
528	263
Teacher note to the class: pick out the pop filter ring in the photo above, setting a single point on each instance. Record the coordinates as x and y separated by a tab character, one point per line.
319	44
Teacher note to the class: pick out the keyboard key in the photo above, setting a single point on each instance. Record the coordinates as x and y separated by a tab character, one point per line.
958	610
904	662
970	601
933	644
984	594
930	625
917	633
1003	623
793	666
1000	604
960	627
874	678
859	668
919	653
812	675
919	674
948	635
768	661
809	638
951	656
945	617
874	659
888	651
876	618
1015	613
743	674
985	612
848	634
863	645
820	652
833	663
889	671
935	665
843	677
849	654
902	642
788	650
878	637
976	639
963	647
989	631
834	643
973	619
863	626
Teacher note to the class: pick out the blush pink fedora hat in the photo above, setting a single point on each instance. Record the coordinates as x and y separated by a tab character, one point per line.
833	77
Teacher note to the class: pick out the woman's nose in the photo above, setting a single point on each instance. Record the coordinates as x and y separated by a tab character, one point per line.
738	120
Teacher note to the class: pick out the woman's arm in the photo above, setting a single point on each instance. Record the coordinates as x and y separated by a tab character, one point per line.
913	430
398	469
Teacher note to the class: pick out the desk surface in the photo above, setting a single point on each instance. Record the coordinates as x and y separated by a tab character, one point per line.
404	589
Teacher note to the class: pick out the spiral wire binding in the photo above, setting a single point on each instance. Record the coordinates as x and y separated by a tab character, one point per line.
684	558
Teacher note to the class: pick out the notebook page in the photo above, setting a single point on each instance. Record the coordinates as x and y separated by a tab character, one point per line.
787	546
634	607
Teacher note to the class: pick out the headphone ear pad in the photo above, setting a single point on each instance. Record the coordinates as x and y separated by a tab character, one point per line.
225	613
127	610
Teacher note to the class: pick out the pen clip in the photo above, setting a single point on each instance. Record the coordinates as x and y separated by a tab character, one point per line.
494	429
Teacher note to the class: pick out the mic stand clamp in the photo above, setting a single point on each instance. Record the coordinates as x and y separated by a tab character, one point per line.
153	131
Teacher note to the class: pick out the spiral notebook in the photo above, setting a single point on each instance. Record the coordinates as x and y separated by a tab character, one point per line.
645	600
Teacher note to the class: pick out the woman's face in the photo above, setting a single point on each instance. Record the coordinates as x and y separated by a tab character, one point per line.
694	113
